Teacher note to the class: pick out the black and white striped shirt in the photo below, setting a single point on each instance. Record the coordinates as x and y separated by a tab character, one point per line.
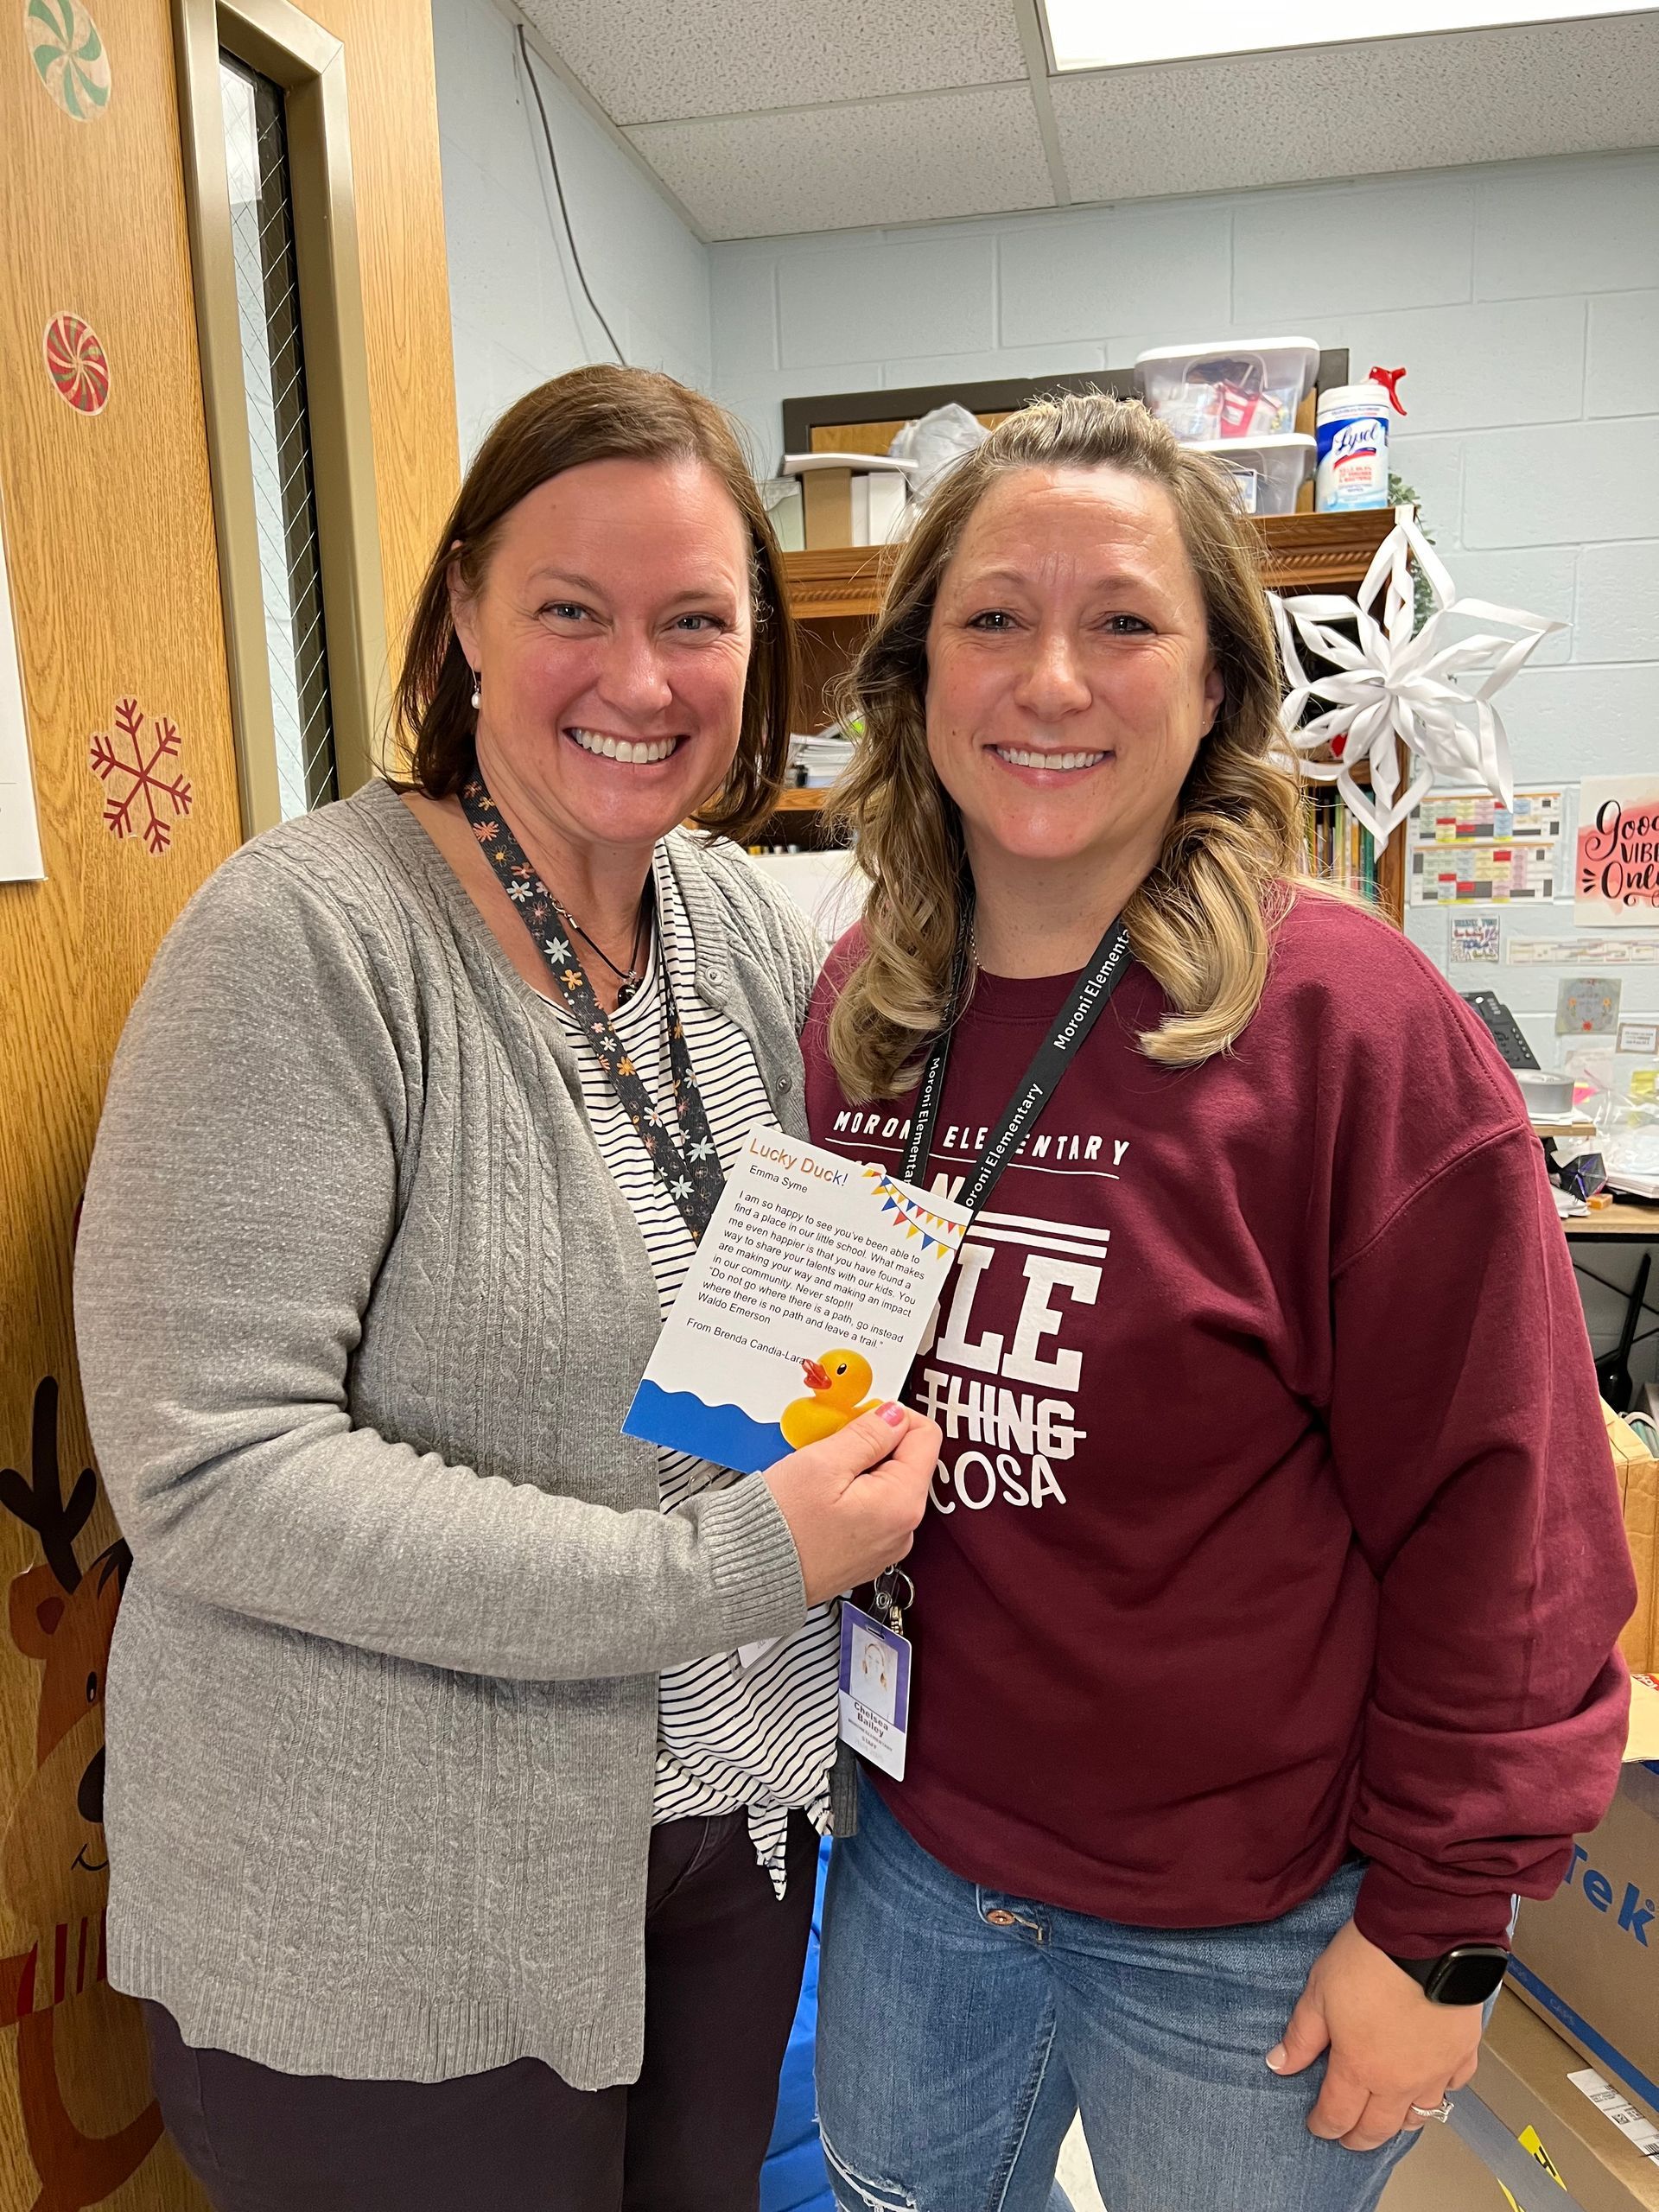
727	1735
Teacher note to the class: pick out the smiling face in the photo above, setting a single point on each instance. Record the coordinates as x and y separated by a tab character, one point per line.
1070	680
611	635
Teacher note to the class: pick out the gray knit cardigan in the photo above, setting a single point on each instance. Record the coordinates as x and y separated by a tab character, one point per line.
359	1314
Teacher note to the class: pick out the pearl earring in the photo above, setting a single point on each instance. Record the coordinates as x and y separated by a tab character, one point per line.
477	683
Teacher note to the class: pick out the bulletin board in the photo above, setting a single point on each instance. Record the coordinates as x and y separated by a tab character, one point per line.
1494	899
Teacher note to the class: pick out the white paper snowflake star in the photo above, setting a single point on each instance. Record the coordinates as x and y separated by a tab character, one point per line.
1391	685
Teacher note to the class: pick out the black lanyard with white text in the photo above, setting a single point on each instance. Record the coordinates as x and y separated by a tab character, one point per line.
1041	1079
1038	1085
689	1169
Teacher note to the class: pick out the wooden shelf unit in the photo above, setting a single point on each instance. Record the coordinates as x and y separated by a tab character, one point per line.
834	593
1302	553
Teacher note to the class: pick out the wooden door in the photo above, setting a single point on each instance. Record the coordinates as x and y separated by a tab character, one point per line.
109	530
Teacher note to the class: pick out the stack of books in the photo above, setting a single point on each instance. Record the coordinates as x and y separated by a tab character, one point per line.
1335	845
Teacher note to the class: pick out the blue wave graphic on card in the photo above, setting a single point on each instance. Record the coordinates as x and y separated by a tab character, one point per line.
679	1420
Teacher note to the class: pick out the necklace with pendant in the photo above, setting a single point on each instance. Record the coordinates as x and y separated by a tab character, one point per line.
629	978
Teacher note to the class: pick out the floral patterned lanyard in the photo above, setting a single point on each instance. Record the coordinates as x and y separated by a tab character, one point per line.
693	1179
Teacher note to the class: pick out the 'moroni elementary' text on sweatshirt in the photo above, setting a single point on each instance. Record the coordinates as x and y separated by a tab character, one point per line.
1275	1518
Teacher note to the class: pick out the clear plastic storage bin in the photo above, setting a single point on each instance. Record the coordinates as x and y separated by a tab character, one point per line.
1266	472
1237	387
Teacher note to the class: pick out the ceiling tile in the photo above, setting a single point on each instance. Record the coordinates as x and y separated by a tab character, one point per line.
646	62
872	163
1352	111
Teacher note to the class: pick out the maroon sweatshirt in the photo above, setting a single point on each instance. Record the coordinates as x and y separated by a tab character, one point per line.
1276	1518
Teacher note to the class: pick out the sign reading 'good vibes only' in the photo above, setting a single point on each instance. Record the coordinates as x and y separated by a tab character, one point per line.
1616	883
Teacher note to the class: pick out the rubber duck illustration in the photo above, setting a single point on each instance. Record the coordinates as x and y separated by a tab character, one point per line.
837	1383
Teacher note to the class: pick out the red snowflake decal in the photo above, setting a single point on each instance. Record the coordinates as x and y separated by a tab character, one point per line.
128	754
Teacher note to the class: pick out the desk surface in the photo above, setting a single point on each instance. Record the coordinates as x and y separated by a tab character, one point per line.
1632	1220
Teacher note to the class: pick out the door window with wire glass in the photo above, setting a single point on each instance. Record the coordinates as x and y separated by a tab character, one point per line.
273	371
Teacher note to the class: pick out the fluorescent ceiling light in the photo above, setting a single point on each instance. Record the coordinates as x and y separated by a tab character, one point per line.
1108	34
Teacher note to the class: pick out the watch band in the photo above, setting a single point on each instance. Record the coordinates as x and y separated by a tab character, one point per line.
1467	1974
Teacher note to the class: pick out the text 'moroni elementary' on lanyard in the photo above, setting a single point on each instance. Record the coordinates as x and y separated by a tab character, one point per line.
1038	1085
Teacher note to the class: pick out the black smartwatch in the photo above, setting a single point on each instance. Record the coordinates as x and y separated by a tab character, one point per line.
1467	1975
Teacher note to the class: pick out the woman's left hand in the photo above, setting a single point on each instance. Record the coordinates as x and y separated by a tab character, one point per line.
1390	2049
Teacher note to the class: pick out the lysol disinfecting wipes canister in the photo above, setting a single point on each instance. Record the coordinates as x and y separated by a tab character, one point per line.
1352	429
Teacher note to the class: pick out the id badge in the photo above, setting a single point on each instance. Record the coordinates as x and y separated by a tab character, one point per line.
874	1690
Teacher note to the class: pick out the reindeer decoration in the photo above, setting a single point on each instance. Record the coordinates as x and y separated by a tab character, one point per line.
52	1878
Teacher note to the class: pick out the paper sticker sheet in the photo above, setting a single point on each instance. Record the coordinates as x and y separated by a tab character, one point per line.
1469	848
1478	873
20	835
1463	817
1583	951
1475	940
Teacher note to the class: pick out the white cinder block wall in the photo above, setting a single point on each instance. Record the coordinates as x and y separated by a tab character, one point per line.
1524	300
517	308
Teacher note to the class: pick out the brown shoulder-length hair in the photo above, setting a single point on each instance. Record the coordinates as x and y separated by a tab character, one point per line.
1201	922
600	413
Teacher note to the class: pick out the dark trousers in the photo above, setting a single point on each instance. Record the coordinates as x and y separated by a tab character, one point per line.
723	1961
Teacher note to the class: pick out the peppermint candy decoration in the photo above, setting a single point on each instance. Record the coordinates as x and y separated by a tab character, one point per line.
77	364
69	55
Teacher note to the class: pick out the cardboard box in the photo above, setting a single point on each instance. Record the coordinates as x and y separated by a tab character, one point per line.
1441	2175
1642	1741
1639	1489
827	496
1588	1958
1524	2081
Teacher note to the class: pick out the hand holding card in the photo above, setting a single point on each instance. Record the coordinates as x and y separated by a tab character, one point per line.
852	1501
797	1324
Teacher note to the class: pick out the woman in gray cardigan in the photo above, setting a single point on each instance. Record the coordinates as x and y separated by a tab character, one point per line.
464	1754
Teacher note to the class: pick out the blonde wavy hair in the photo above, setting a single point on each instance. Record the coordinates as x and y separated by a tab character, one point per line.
1201	923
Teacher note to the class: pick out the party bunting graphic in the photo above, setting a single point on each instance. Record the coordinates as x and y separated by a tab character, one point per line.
915	1220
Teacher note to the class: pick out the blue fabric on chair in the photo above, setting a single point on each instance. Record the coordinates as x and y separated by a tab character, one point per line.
793	2178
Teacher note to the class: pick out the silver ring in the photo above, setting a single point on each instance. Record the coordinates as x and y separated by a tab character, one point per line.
1441	2111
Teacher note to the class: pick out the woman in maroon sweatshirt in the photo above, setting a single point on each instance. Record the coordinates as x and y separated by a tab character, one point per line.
1264	1630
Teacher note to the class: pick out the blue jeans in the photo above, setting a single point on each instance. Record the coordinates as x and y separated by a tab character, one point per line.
960	2031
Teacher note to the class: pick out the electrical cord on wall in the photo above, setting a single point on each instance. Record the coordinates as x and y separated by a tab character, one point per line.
558	186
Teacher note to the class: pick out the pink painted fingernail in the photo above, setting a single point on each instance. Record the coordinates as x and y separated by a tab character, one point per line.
892	1414
1276	2057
